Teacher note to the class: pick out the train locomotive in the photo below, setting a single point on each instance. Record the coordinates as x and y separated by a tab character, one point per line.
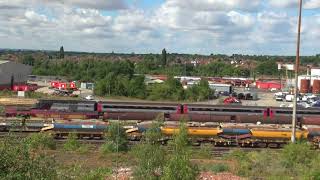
108	110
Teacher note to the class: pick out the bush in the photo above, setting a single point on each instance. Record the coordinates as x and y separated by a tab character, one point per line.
72	143
117	136
41	140
295	161
108	147
1	109
17	161
179	166
150	155
7	93
296	154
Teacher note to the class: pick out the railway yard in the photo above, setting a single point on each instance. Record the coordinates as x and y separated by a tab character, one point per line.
252	123
216	132
220	125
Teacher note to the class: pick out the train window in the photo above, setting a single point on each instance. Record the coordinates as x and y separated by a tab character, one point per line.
298	112
139	107
226	110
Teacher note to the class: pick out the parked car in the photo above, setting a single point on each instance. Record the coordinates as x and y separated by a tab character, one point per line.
303	105
89	97
307	97
289	97
316	104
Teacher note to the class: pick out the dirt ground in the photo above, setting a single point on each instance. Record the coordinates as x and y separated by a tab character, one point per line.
122	164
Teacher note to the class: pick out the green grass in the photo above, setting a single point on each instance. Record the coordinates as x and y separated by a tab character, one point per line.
72	144
97	174
107	148
84	148
215	168
1	109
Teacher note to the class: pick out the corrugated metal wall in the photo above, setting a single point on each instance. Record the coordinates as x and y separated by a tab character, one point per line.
19	71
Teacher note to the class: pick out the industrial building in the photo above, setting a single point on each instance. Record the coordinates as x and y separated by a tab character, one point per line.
12	73
310	83
221	88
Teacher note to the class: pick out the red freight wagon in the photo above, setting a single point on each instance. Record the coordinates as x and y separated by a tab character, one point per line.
55	84
62	85
73	85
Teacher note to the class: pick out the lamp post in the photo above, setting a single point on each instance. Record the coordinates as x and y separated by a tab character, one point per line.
294	110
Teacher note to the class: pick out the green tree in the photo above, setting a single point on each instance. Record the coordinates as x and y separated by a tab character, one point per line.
268	67
100	88
61	53
137	87
150	155
171	89
117	138
200	91
179	166
28	60
164	57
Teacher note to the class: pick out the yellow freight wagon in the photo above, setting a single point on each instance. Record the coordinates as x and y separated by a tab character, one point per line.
192	131
276	133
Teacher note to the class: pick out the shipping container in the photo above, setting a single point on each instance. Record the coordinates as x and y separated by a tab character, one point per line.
316	86
305	86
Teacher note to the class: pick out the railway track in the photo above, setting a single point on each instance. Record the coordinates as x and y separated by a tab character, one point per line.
95	144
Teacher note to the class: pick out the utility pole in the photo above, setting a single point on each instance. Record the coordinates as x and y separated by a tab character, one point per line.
294	111
118	127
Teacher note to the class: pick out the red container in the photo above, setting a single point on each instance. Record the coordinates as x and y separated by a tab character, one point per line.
305	85
62	85
316	86
55	84
73	85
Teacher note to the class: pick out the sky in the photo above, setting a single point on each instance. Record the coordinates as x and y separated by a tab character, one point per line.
267	27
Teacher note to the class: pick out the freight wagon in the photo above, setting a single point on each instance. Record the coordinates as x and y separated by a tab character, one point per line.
245	137
82	129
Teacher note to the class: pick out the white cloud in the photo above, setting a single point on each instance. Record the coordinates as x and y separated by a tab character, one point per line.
214	5
92	4
273	28
312	4
284	3
131	20
201	26
87	4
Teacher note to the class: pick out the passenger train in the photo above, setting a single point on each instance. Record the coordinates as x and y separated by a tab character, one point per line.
142	111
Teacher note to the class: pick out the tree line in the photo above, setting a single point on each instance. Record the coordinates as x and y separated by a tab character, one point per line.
120	79
126	78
